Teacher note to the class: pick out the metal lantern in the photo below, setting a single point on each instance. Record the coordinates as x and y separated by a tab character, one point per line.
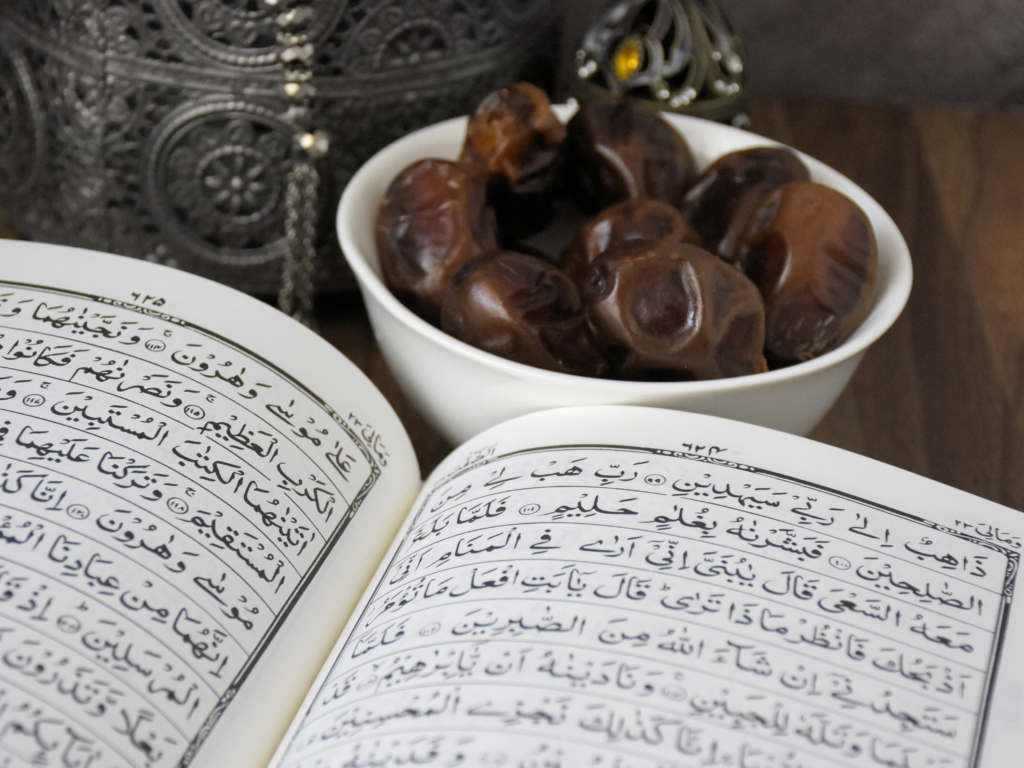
155	128
677	55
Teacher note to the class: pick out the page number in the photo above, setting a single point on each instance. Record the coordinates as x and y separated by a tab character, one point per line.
153	301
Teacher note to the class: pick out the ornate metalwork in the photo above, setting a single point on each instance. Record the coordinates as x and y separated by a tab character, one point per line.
295	297
678	55
156	129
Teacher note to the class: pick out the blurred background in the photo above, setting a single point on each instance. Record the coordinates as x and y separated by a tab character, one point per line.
959	53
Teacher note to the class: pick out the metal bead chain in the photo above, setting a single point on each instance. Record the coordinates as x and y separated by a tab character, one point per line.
297	286
301	210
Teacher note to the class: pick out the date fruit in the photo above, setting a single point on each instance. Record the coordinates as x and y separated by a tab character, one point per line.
619	149
638	218
433	219
523	309
722	204
812	254
665	311
661	278
516	136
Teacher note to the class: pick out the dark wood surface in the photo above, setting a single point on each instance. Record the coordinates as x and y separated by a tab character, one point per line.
942	393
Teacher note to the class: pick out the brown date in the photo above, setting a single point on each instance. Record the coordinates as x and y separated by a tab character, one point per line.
618	149
433	219
637	218
665	311
524	309
516	136
722	204
812	253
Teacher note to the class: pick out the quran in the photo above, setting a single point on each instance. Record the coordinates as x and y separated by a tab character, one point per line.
216	550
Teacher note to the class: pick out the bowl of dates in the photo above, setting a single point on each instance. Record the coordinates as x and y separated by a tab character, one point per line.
532	256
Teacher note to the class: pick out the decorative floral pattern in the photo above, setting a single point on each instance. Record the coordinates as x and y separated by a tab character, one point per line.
20	153
236	23
220	176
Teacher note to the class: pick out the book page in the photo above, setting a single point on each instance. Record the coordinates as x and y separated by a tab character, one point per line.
178	461
634	587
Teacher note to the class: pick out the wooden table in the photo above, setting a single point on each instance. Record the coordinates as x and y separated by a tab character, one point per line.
942	394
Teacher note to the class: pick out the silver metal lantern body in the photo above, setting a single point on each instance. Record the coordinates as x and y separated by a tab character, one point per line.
154	128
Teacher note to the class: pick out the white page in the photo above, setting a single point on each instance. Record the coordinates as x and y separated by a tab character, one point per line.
633	587
177	460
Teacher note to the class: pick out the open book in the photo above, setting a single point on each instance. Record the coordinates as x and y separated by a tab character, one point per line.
217	551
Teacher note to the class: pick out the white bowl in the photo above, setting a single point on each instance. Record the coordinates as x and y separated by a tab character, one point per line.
462	390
